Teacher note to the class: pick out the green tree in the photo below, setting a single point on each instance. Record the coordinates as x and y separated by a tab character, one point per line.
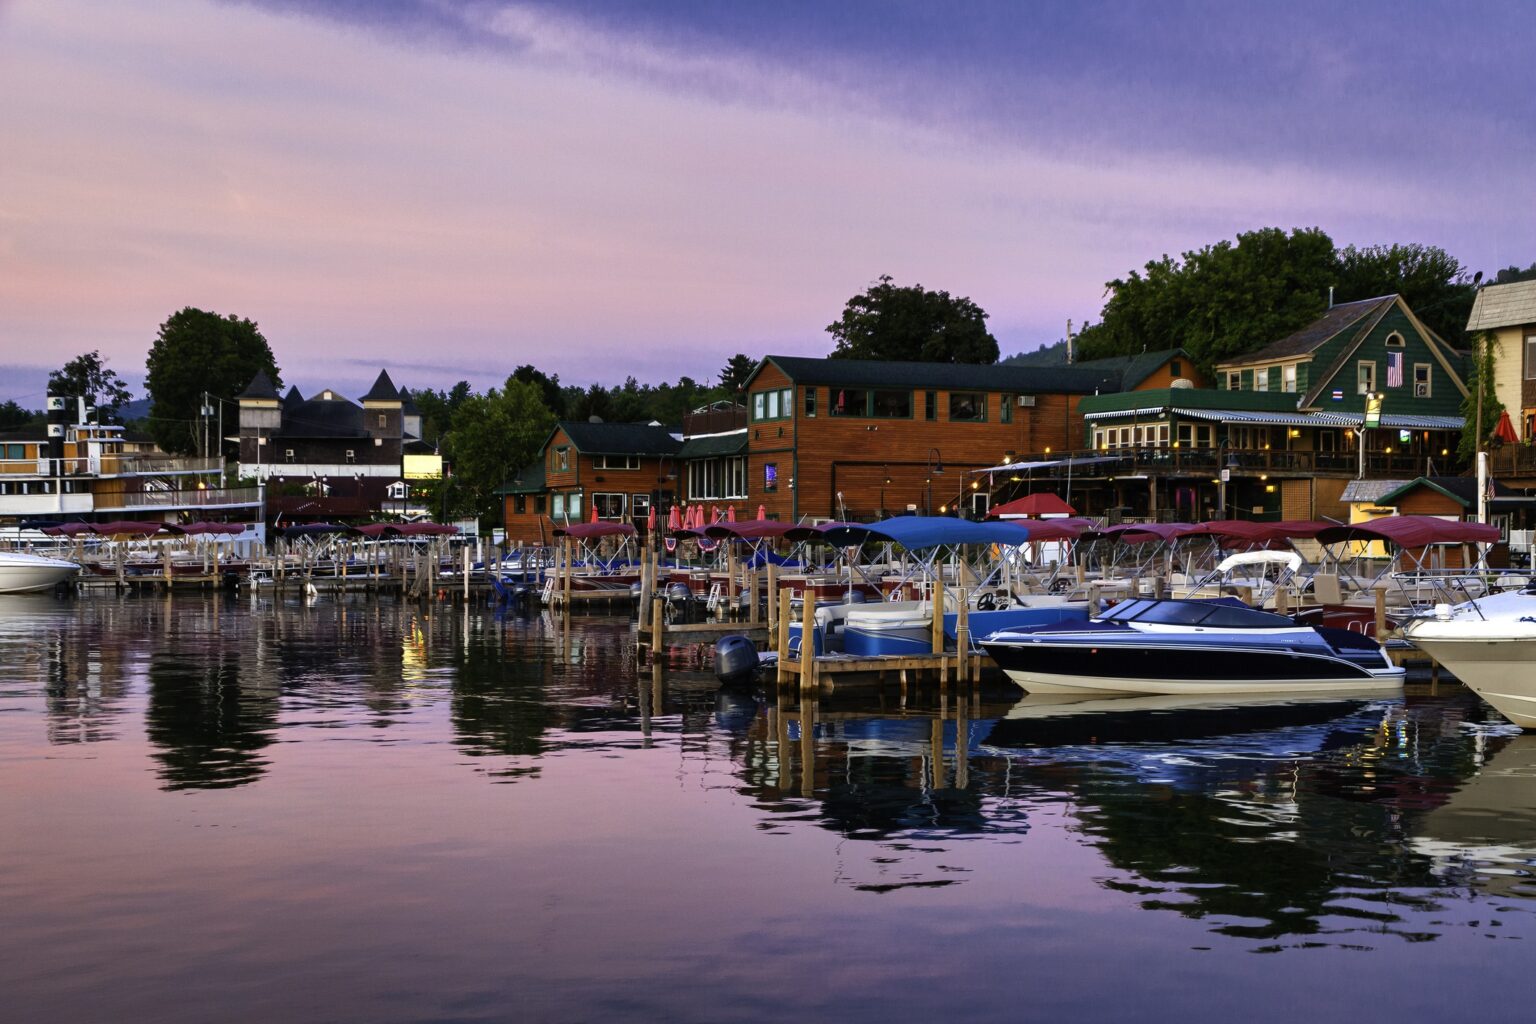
1220	301
200	353
14	417
87	377
438	408
1480	380
733	376
1512	274
493	435
549	387
912	324
1429	279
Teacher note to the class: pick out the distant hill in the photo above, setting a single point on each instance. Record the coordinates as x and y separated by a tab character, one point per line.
1047	355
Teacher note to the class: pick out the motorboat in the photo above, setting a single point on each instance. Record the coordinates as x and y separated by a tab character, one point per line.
21	572
1178	646
1490	645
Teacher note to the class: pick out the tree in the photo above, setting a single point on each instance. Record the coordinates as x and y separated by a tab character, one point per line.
494	434
1429	279
1220	301
911	324
733	376
200	353
88	377
549	387
14	417
438	409
1481	379
1512	274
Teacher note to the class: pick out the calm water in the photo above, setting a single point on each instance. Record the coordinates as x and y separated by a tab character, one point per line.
223	809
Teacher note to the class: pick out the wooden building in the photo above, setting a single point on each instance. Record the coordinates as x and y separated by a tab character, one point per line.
1504	319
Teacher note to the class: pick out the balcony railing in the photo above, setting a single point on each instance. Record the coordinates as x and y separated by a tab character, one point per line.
1242	461
715	421
189	497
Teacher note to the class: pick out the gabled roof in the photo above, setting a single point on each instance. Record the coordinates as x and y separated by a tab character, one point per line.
1503	305
293	399
322	417
261	386
1133	369
620	438
1309	339
528	480
383	389
733	443
1460	489
1357	491
880	373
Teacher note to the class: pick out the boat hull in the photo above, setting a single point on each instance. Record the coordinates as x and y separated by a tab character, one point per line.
23	574
1139	667
1490	645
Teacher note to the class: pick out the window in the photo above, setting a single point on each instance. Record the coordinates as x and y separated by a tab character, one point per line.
810	402
1234	380
557	506
770	476
560	458
1261	379
891	404
383	419
850	402
15	451
1530	356
1005	413
608	505
519	504
773	405
573	506
1175	367
1288	378
617	462
351	455
640	505
967	407
1365	376
759	406
736	477
1395	340
931	405
1422	381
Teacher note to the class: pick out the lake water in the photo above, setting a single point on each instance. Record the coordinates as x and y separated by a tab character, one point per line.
214	808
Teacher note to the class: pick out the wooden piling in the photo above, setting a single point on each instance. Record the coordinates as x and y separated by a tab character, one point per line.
808	642
781	632
1380	596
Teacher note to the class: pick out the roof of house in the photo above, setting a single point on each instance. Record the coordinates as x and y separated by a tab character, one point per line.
1460	489
293	399
1369	490
620	438
881	373
1503	305
732	443
322	417
261	386
1132	369
1314	335
383	389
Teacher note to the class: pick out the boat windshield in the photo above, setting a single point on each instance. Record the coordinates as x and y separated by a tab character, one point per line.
1223	613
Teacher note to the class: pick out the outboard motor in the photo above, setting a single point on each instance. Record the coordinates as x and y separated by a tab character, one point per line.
679	600
736	660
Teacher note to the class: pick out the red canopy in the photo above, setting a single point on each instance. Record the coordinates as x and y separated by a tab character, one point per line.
754	529
203	528
67	529
1042	504
1141	533
1413	532
126	527
1057	529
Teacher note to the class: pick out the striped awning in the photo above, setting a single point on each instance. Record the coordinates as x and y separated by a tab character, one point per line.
1124	413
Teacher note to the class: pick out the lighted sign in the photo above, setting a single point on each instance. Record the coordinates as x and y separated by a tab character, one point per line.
422	467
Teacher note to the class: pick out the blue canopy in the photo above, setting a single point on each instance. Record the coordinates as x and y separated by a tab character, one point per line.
916	532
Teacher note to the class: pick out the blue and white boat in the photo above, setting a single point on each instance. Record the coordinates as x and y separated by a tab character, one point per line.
1190	646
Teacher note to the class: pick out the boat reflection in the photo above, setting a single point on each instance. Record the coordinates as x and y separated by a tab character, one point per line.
1484	835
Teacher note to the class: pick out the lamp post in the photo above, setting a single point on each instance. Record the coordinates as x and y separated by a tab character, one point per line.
935	465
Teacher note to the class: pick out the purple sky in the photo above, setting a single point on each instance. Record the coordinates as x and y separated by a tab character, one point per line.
603	189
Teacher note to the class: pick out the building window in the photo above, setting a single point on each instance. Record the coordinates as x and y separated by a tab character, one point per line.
1175	367
736	477
1288	378
810	402
351	455
560	459
967	407
770	476
383	420
891	404
1530	356
617	462
519	504
1422	381
1234	380
773	405
1261	379
1005	412
1365	376
850	402
930	405
608	505
639	505
1395	340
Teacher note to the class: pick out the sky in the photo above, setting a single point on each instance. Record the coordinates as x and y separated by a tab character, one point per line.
609	188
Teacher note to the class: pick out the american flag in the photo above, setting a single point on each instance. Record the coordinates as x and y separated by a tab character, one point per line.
1394	369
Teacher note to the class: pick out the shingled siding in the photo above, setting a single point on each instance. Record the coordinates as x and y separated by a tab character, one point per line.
855	455
1445	396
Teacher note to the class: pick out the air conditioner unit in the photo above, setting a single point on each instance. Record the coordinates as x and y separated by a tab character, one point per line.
1421	390
1026	401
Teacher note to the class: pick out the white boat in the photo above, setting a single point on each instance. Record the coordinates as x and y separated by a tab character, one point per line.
1489	644
21	572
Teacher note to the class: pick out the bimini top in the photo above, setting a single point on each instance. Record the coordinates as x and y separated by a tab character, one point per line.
917	532
1413	532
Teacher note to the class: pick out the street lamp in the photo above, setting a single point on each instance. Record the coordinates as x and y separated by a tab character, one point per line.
935	465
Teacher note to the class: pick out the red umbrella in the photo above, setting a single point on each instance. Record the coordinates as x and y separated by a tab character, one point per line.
762	511
1505	430
594	512
674	519
650	520
730	514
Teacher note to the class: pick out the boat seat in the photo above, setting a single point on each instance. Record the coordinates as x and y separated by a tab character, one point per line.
1326	589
